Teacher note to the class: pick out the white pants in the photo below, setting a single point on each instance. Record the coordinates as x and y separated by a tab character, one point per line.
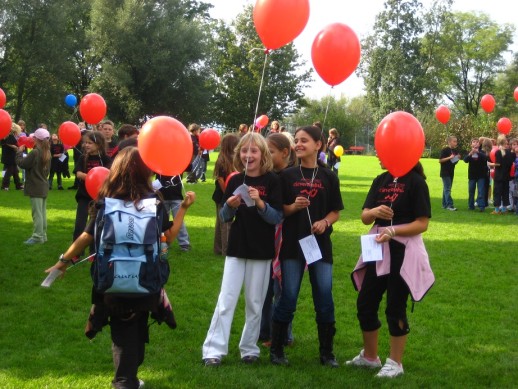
256	275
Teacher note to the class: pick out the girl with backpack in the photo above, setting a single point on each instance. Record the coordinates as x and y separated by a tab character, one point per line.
129	180
253	199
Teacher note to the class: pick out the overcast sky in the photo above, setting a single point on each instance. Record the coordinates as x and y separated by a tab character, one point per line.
360	17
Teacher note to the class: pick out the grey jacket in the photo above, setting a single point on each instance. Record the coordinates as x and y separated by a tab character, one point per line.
36	173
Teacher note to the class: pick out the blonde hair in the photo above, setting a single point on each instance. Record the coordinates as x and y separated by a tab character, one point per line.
16	129
246	140
501	141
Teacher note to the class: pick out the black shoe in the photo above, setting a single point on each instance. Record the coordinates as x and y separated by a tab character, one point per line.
212	362
72	187
250	359
329	361
60	187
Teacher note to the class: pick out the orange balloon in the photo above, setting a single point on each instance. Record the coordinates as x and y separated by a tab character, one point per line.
442	113
261	121
209	139
5	123
488	103
278	22
399	142
504	126
165	146
95	179
92	108
3	99
492	154
69	133
335	53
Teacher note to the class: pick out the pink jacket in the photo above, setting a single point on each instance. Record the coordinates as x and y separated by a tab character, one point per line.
415	271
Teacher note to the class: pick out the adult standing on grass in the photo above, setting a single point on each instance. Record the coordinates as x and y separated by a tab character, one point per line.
37	166
312	203
448	159
400	210
9	148
129	180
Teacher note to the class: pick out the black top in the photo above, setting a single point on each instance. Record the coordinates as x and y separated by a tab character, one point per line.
448	167
55	164
85	164
409	197
477	167
171	187
8	153
324	194
503	172
250	236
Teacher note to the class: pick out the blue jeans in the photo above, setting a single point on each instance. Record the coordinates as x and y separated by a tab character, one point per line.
480	184
321	278
447	201
172	206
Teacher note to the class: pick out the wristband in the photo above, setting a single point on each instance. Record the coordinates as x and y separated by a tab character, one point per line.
327	223
65	261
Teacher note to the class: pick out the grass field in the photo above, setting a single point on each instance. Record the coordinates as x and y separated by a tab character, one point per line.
463	334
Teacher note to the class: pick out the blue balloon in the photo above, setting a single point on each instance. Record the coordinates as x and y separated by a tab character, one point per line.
71	100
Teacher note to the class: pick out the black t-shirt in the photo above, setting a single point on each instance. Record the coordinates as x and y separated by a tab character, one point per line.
503	172
250	236
8	153
85	164
55	163
477	165
409	197
171	187
448	167
324	195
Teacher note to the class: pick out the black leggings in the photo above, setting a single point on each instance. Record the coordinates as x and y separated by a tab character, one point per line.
372	291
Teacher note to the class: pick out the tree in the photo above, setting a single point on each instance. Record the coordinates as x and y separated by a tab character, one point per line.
468	55
393	64
238	61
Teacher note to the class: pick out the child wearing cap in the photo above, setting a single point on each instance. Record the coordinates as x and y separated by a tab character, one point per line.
37	166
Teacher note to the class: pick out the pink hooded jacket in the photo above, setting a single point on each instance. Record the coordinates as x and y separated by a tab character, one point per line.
415	271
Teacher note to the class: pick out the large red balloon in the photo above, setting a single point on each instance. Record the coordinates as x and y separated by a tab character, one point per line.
488	103
399	142
95	179
69	133
165	146
29	142
3	99
504	126
209	139
442	113
335	53
92	108
515	94
5	123
278	22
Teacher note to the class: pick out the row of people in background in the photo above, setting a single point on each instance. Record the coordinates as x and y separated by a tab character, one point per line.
482	173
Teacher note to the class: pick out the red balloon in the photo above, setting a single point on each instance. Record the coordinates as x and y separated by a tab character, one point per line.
442	113
3	99
5	123
504	126
29	142
95	179
516	93
513	170
227	180
399	142
209	139
488	103
69	133
492	154
92	108
21	141
335	53
261	121
165	146
278	22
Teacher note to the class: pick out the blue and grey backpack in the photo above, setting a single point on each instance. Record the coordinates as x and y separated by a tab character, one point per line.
128	261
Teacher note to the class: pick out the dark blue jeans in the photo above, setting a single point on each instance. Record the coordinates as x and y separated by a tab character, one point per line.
447	201
321	278
480	184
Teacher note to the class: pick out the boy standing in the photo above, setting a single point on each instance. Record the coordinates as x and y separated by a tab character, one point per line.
477	172
448	159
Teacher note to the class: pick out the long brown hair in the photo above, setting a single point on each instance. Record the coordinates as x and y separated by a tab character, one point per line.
129	178
44	148
225	162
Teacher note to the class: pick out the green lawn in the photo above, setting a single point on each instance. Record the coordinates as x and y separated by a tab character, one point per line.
463	334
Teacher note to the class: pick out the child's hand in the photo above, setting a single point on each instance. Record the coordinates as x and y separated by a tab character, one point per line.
254	193
234	201
189	199
301	203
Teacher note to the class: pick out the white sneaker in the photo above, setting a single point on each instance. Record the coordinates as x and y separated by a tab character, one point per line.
390	369
361	361
140	384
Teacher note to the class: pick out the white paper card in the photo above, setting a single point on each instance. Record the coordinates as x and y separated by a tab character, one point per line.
309	246
455	159
337	165
371	250
242	190
63	157
156	184
3	173
55	273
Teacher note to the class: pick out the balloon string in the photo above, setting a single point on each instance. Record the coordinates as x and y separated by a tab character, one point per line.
260	86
